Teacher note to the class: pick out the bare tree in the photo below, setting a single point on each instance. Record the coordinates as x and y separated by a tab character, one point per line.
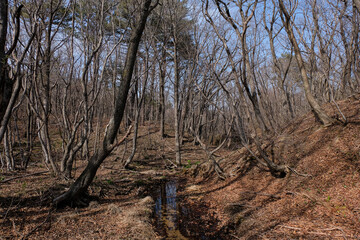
280	70
244	72
139	104
76	195
316	108
10	86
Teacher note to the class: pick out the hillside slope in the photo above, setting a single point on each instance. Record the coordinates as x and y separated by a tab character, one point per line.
252	204
249	204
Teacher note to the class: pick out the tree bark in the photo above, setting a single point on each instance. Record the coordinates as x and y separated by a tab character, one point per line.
162	67
139	104
357	5
5	84
177	112
77	194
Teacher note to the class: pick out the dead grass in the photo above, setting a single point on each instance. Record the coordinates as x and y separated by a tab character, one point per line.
136	221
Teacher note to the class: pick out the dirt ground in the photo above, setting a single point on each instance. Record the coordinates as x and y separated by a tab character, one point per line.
318	200
122	207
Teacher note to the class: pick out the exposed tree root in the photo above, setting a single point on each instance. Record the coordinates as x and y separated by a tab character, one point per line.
80	201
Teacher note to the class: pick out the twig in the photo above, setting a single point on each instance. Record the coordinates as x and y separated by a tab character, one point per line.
115	145
320	233
39	225
126	170
297	173
303	194
7	211
14	227
171	162
27	175
235	236
336	228
242	205
289	227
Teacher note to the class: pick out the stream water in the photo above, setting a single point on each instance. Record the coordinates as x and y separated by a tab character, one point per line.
168	212
172	216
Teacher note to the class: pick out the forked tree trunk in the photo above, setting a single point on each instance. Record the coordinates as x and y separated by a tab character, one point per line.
77	194
316	109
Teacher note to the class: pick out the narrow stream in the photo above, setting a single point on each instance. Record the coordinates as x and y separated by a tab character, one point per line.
168	212
172	218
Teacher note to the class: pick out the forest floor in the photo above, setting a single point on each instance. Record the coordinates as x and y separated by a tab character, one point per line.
321	203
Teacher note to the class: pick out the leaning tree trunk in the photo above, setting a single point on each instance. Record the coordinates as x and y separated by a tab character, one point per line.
5	87
317	110
77	194
9	87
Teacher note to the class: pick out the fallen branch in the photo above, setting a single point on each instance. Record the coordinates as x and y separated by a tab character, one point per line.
7	211
235	236
321	233
289	227
27	175
36	227
297	173
242	205
14	228
302	194
171	162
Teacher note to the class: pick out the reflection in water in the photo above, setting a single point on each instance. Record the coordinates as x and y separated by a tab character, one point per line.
168	212
172	218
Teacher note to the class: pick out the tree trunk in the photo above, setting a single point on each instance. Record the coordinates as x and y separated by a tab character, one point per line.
10	164
137	118
5	82
162	67
77	194
43	120
316	109
177	112
357	5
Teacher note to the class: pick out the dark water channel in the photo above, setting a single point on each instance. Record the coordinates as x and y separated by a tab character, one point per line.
168	212
172	217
